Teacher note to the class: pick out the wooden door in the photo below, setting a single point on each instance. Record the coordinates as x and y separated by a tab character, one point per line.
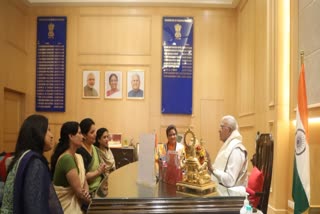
14	112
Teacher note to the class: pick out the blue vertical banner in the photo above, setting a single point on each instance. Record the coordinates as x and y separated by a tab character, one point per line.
51	64
177	65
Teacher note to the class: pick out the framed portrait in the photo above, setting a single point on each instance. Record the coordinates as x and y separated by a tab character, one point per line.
113	85
135	84
91	84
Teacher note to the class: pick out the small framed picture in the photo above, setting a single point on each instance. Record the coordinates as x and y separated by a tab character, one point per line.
135	84
113	85
91	84
115	141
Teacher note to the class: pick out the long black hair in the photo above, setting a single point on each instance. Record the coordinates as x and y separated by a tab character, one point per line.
99	135
67	128
31	136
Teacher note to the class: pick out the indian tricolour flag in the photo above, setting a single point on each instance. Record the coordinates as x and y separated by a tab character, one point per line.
301	171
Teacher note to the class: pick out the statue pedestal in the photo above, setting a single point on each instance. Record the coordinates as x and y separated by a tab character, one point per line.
204	190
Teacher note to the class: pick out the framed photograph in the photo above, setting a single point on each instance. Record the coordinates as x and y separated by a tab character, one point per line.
115	141
113	85
91	84
135	84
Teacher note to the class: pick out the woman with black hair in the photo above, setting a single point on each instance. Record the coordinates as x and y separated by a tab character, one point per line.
105	155
68	170
94	167
170	157
28	188
172	145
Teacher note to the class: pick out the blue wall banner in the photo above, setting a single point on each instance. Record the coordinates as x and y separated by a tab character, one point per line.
51	64
177	65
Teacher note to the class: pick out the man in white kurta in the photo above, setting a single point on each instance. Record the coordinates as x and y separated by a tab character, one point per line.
230	165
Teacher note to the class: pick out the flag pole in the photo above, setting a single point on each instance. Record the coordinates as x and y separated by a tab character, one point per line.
301	57
301	173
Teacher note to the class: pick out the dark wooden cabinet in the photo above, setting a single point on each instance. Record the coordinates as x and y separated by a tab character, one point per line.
123	156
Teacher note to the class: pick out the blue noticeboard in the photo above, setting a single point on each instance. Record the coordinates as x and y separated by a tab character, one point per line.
51	64
177	65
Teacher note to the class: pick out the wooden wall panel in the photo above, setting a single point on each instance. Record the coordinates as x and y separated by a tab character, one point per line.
246	72
16	27
14	45
117	35
270	66
211	113
216	65
112	60
13	118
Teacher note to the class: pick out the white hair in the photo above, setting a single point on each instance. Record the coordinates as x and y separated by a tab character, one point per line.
90	75
135	75
231	122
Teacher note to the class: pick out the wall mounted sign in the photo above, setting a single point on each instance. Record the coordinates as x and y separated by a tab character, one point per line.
177	65
51	64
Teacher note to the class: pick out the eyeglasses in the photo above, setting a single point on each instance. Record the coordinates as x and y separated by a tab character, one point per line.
224	126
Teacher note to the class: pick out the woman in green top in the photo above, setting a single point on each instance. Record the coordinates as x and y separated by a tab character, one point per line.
68	170
94	167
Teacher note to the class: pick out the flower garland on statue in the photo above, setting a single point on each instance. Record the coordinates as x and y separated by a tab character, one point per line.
200	153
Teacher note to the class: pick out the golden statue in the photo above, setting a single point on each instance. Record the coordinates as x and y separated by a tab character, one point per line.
196	179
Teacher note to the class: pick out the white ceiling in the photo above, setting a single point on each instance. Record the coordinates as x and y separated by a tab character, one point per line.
193	3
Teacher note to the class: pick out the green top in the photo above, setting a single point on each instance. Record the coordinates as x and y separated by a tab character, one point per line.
64	164
94	165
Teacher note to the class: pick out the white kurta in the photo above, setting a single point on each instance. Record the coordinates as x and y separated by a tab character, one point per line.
230	166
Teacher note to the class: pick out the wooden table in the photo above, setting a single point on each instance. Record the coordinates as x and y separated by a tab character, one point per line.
127	196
